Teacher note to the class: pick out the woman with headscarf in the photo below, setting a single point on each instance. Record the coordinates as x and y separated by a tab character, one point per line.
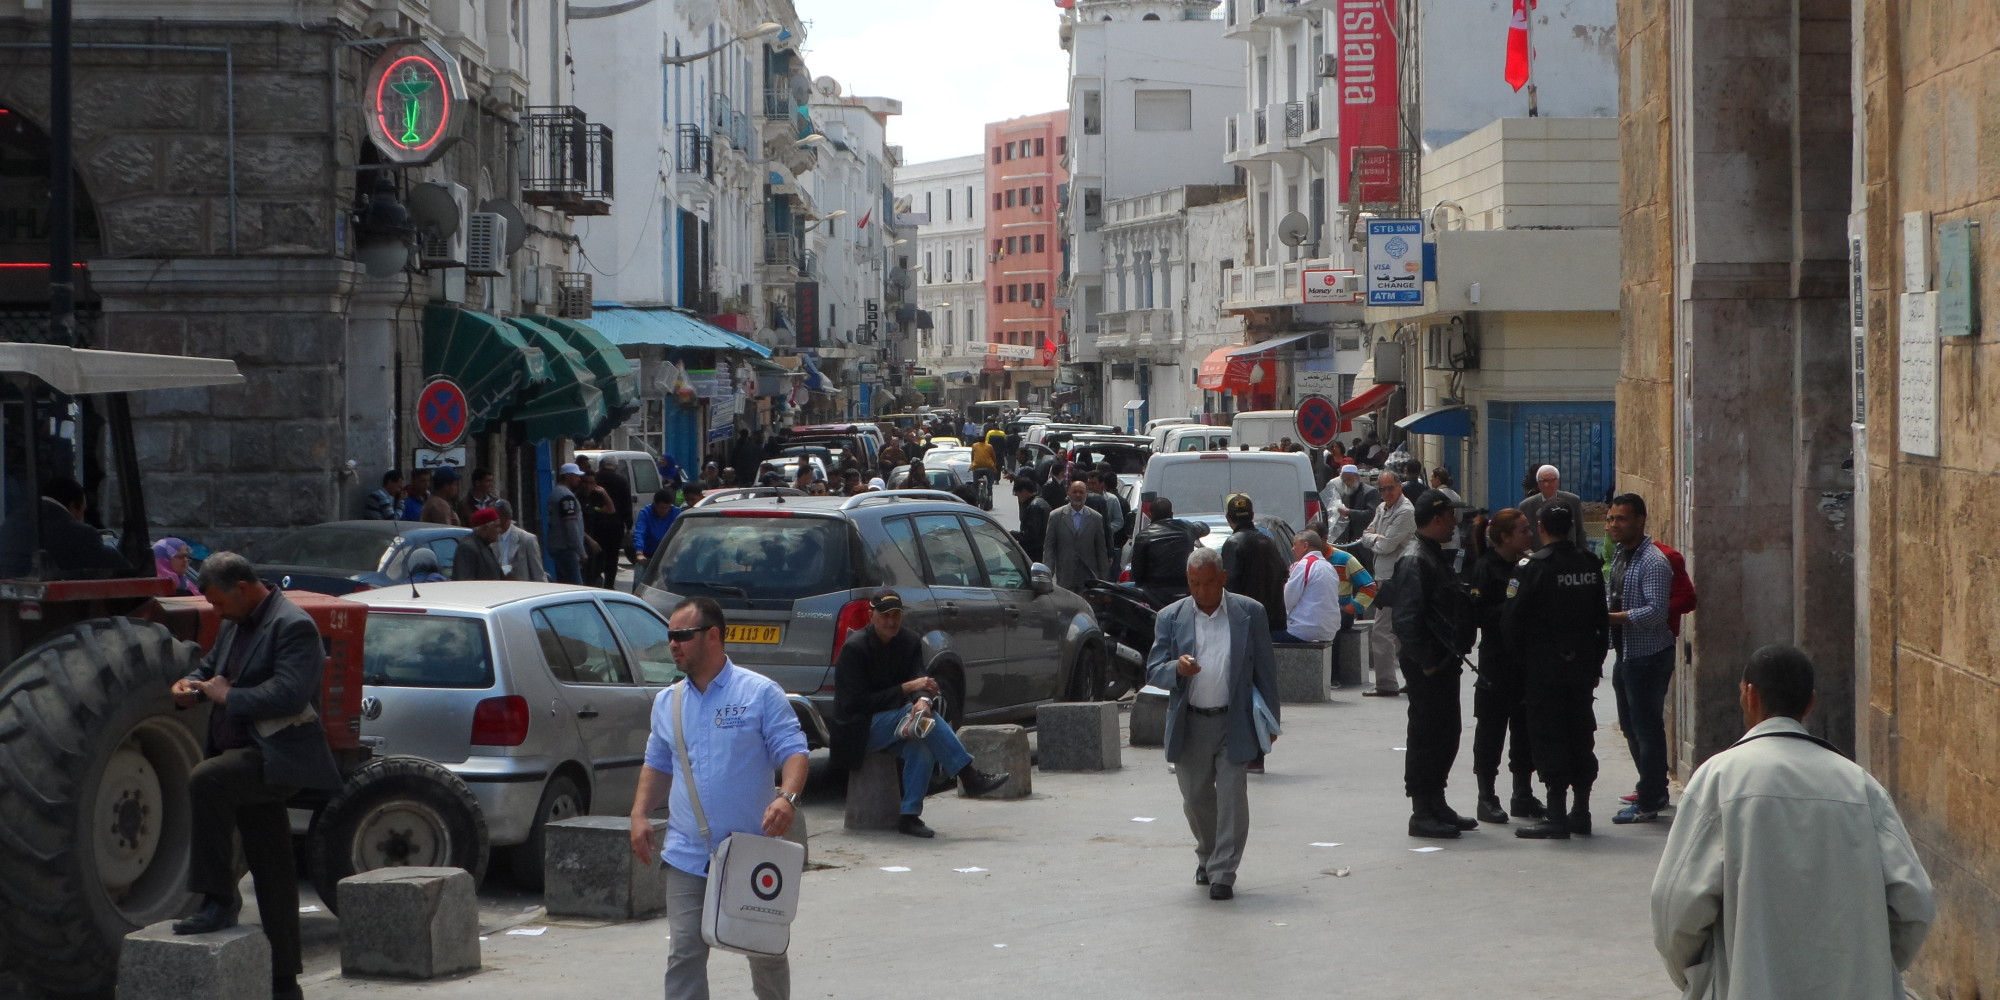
424	566
170	559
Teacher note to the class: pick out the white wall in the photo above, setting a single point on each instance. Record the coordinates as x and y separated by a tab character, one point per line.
956	229
1464	53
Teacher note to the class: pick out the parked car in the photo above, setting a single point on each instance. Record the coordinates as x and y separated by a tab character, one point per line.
941	478
794	574
341	557
1039	433
1192	437
863	441
1126	453
538	695
639	468
1279	483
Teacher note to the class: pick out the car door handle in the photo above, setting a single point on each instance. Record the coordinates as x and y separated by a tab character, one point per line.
948	608
586	713
1012	611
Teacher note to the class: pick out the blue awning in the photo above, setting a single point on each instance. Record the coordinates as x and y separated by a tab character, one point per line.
1443	421
668	328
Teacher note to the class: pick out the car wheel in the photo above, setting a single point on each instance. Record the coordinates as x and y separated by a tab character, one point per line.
952	686
1086	675
561	800
396	812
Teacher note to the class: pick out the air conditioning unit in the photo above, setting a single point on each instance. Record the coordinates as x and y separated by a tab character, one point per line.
437	250
1036	209
1329	64
1037	303
573	295
1347	343
1347	286
486	244
992	258
538	285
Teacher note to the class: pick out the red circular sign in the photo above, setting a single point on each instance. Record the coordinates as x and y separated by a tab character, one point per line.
441	413
1318	420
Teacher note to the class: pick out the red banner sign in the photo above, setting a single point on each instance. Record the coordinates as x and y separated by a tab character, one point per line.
1370	99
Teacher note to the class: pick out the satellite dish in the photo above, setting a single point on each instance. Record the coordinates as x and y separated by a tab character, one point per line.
433	209
517	224
827	85
1293	229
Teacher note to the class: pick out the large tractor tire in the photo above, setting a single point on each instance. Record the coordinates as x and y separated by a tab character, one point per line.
94	818
395	812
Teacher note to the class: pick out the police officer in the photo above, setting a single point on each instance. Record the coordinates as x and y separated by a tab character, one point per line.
1496	696
1555	621
1433	619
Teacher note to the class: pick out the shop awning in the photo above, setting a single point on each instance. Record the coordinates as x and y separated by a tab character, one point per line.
1215	369
1443	421
1374	398
570	406
612	373
667	328
491	361
1272	344
1228	369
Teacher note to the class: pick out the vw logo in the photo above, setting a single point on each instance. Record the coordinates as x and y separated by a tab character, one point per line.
371	707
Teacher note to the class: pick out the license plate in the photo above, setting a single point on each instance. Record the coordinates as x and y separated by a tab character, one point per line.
763	635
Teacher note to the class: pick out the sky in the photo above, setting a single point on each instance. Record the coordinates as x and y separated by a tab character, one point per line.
955	64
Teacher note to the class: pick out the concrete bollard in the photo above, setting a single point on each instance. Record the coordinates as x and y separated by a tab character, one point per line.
1305	672
232	964
1078	736
1350	663
408	923
875	793
1148	726
1001	748
591	871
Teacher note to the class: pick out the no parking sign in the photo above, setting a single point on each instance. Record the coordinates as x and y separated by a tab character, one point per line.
1318	420
441	412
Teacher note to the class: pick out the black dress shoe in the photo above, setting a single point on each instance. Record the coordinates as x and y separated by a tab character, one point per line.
217	913
1221	891
914	826
1489	810
1526	807
1550	828
1200	875
975	783
286	988
1379	693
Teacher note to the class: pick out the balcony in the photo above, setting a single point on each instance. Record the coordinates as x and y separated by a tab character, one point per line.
1236	139
1323	115
732	126
1273	13
692	152
1267	286
1138	330
566	161
787	259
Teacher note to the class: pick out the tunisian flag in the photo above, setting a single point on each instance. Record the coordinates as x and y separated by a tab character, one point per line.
1519	56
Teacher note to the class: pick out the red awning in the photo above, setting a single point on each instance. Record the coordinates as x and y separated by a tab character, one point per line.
1223	371
1374	399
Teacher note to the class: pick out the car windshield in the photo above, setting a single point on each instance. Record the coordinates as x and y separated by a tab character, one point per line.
427	651
1200	487
349	550
756	558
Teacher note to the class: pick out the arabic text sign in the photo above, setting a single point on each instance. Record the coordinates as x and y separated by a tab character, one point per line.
1395	262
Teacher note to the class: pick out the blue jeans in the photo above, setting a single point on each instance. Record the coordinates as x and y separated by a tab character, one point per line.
569	566
940	749
1640	684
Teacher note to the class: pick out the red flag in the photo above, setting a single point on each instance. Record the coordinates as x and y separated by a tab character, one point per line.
1518	55
865	216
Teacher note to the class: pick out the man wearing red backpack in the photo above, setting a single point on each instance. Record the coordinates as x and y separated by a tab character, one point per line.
1640	589
1681	599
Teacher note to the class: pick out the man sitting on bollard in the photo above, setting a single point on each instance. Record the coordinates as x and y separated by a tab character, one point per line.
884	701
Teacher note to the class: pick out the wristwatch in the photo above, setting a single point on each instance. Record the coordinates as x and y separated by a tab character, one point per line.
791	797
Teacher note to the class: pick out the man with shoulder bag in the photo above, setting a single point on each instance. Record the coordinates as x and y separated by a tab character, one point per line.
716	737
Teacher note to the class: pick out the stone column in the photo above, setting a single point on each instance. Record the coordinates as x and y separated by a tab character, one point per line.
382	309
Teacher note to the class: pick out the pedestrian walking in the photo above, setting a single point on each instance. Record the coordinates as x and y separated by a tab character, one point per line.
1354	500
1391	534
608	535
1496	695
1788	873
478	557
1556	628
386	503
1255	566
264	744
1212	652
1640	596
611	476
1548	486
567	543
520	551
442	506
650	528
738	729
885	701
1034	515
1160	552
1106	504
1434	627
1075	543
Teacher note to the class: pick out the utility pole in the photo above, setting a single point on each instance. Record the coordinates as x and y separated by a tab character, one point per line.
62	196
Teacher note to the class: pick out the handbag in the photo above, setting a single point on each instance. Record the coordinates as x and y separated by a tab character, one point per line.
753	881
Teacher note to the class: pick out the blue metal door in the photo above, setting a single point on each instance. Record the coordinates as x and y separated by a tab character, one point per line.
1575	437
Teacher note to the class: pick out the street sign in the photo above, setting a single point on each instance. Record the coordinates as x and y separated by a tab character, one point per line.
1317	420
1307	382
1395	262
441	412
1329	285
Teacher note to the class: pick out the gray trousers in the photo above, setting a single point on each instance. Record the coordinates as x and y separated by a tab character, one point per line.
687	954
1215	795
1383	650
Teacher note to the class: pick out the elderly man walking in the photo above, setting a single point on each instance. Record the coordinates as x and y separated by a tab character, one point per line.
1548	486
1788	874
1074	545
1212	652
1391	535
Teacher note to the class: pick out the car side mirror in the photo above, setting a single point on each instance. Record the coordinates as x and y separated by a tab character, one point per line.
1041	579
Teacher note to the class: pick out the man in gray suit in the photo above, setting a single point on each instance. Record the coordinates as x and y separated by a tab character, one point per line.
1074	546
1548	490
1212	651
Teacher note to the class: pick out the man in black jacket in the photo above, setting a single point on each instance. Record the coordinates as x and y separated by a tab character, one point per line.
1255	567
1433	620
1556	622
878	678
264	744
477	558
1160	553
1034	515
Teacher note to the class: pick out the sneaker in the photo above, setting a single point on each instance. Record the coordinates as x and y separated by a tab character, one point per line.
975	783
914	826
1628	799
1633	814
1378	693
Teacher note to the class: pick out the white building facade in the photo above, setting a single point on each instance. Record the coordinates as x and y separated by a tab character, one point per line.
946	264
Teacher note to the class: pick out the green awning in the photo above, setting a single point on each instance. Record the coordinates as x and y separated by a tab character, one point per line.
570	406
491	361
612	373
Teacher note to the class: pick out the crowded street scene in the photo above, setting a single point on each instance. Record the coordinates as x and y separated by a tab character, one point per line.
1172	498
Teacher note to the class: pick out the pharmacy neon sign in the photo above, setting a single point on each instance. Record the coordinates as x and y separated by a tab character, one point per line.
415	97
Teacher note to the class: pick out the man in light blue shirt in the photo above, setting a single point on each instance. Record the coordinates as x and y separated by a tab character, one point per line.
738	728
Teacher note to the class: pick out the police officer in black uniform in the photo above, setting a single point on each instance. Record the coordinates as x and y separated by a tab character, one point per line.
1496	696
1555	620
1434	624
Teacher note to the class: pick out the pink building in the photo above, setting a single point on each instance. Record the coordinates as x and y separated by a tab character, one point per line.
1024	177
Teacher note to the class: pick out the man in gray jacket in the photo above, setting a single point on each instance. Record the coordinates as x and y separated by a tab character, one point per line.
1212	652
1548	490
1075	545
1390	536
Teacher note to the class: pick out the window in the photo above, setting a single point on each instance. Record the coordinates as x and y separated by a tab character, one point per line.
996	154
968	201
647	635
1093	112
1040	247
1041	290
900	531
1041	146
1024	196
578	645
1093	208
1013	293
1162	110
1010	244
947	267
947	552
1038	194
427	651
1062	145
1010	197
1010	150
927	267
996	201
947	204
927	203
999	294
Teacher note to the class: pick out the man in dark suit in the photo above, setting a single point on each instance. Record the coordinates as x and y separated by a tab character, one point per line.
477	558
1548	490
1074	546
264	744
1212	652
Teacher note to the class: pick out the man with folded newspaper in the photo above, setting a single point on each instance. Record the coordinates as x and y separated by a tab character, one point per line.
738	729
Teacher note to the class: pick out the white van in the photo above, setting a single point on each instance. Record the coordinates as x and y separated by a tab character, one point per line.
1279	483
1177	438
1156	428
1264	428
640	468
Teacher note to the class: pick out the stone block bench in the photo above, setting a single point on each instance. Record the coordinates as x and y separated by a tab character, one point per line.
1148	726
591	871
231	964
1078	736
875	792
1305	672
409	923
1351	647
1001	748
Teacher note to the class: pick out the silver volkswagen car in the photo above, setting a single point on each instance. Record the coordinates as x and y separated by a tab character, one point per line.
538	695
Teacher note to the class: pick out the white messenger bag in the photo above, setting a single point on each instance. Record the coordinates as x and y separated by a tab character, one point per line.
753	881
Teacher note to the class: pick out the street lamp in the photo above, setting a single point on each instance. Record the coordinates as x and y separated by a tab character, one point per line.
828	217
814	141
765	30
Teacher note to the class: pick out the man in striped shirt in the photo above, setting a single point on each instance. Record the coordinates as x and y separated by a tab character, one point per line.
1641	585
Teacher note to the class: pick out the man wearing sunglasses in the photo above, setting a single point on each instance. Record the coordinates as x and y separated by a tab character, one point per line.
739	728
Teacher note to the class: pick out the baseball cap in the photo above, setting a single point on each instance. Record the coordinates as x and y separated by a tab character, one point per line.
570	469
1432	504
484	516
1238	504
886	600
446	474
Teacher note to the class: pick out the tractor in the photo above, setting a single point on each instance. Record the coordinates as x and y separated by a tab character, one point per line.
94	757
